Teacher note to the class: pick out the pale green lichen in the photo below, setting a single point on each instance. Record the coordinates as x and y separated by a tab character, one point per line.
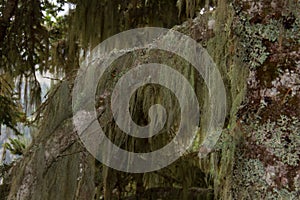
282	138
248	179
282	194
275	145
252	181
252	39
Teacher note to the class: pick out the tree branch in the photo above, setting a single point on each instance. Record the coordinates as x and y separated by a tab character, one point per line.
8	12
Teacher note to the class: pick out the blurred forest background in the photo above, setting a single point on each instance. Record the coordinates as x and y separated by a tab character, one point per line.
256	47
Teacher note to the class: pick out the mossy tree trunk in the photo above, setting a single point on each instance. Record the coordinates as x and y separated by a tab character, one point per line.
57	166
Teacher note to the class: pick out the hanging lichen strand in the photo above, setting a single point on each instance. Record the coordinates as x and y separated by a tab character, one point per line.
34	38
25	40
218	164
183	179
57	157
94	21
185	171
191	7
23	46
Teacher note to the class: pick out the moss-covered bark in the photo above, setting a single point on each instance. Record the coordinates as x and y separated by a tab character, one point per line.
55	166
247	162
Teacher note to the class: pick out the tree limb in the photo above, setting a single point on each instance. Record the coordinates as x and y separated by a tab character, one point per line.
8	12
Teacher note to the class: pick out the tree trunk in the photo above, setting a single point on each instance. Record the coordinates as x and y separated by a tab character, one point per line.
57	166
